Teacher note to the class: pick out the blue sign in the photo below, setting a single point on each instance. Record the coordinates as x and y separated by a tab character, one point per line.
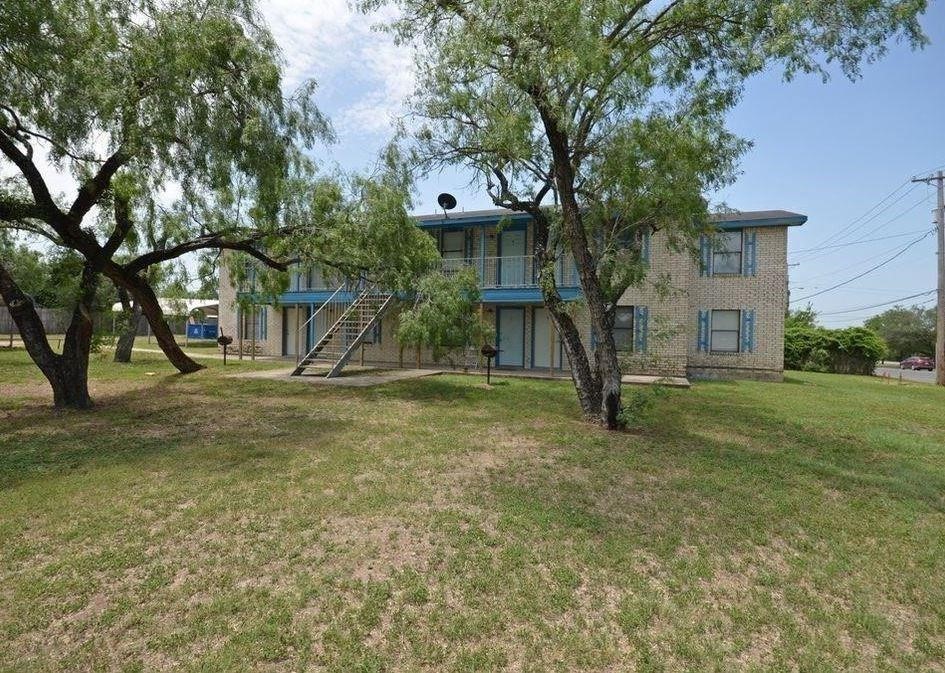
201	331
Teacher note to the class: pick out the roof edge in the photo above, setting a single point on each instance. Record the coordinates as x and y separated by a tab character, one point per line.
736	220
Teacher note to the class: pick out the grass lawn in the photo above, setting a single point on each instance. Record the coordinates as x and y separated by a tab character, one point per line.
211	523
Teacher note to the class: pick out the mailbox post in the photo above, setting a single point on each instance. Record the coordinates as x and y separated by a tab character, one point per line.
488	352
224	341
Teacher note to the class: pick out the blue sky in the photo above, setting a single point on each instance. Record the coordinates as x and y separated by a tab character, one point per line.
831	151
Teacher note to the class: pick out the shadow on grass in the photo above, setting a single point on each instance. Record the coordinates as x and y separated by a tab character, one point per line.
135	426
772	475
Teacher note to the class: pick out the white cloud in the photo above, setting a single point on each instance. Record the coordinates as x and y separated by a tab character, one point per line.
332	43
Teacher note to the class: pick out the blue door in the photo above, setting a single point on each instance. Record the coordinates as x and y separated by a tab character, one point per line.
510	329
512	258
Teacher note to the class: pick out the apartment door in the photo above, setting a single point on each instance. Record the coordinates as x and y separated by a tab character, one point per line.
291	321
512	258
546	344
510	328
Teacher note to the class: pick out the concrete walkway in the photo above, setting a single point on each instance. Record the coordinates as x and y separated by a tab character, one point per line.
208	355
354	377
668	381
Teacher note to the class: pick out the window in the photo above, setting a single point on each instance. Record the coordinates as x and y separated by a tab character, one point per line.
623	328
724	336
262	323
727	254
453	244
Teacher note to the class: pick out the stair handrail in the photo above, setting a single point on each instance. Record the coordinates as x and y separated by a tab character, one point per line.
344	314
304	327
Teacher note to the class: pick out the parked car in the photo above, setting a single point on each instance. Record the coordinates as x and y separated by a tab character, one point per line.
918	362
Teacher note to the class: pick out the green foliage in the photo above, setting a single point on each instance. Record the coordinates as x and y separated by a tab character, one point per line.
907	331
621	105
444	317
170	116
639	403
853	350
51	278
801	317
348	227
27	265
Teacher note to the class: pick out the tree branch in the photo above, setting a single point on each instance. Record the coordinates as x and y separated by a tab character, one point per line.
210	241
41	196
95	186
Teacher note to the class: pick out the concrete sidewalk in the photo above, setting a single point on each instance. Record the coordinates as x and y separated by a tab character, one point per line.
354	377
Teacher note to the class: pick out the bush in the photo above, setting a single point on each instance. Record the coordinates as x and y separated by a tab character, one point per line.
853	350
638	404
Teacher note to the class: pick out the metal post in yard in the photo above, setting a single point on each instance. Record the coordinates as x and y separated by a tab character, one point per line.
939	179
252	345
551	344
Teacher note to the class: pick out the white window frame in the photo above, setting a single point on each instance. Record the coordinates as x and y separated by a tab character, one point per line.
628	330
453	253
737	331
721	252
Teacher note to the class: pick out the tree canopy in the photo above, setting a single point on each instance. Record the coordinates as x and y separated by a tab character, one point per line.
171	119
613	112
906	330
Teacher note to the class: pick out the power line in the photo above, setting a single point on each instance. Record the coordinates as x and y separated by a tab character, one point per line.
866	316
869	240
887	303
845	230
886	223
853	222
849	267
868	271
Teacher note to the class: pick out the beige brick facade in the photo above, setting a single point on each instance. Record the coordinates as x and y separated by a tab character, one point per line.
673	294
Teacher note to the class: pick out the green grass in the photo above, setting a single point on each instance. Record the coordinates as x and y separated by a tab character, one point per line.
213	523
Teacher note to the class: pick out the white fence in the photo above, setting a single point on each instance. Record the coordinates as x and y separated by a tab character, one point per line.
496	272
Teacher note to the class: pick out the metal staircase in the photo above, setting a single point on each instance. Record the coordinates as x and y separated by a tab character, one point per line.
351	321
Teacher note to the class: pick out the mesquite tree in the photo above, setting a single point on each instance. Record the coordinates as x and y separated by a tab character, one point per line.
613	112
157	109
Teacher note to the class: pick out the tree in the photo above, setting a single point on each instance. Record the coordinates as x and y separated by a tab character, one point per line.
615	111
443	317
907	331
801	317
851	350
169	115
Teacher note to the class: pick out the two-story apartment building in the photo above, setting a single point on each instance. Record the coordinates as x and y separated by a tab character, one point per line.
719	316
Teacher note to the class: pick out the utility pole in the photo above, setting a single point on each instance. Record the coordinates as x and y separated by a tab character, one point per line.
939	179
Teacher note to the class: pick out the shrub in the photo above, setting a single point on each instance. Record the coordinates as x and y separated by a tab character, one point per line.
638	404
852	350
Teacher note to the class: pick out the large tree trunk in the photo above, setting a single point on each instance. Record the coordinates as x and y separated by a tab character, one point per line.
67	373
607	367
145	298
130	317
586	382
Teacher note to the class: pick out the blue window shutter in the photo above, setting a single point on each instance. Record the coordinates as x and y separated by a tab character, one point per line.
748	331
645	247
703	337
705	255
751	253
641	327
263	316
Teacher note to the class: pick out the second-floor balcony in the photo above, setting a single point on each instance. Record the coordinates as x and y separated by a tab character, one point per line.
510	272
494	273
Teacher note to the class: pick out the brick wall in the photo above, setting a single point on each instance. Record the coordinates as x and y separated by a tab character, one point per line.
765	293
673	291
